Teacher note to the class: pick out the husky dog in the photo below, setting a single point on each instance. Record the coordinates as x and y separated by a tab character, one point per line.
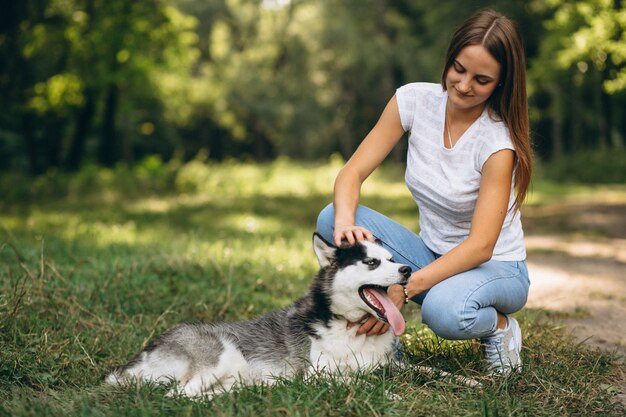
308	337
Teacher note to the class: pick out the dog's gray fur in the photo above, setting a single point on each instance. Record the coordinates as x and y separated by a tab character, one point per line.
308	336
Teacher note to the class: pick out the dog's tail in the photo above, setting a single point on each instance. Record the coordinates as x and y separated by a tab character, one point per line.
116	377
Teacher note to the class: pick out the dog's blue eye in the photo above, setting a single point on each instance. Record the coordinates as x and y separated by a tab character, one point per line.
371	261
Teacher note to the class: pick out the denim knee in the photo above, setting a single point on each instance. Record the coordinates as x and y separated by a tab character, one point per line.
448	317
326	222
443	319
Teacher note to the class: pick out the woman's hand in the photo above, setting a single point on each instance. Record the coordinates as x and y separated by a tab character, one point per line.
351	233
372	326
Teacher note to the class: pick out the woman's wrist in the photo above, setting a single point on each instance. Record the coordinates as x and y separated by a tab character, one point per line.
343	222
397	294
415	285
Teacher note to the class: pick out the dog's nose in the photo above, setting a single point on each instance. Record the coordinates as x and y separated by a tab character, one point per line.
405	271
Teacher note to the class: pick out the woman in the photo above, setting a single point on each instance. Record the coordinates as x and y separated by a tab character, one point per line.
468	169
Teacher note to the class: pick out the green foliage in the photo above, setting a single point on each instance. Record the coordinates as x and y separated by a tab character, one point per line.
602	166
91	274
109	81
576	76
147	176
600	39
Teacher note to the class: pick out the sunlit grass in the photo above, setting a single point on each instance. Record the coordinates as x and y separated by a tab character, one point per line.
546	192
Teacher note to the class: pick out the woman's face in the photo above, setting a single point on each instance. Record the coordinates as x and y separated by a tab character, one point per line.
472	77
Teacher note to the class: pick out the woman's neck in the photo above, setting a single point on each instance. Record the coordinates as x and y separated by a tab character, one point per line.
464	116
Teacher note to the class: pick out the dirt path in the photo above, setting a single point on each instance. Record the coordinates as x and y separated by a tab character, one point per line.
581	272
591	288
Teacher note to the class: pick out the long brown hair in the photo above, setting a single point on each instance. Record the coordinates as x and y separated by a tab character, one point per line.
501	37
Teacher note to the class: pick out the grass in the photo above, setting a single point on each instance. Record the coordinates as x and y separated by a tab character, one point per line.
93	266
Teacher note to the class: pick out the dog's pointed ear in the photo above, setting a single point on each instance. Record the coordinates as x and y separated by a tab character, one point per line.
324	251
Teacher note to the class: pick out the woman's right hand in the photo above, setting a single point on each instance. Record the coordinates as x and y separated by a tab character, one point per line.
351	233
371	152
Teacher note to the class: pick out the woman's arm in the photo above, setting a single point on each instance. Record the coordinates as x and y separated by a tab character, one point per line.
368	156
489	215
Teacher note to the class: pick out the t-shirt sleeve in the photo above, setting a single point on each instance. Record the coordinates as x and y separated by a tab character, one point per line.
500	140
406	96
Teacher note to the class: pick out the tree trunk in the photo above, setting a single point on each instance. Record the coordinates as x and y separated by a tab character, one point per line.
32	151
212	139
605	119
126	136
83	125
107	154
557	121
263	148
53	140
575	99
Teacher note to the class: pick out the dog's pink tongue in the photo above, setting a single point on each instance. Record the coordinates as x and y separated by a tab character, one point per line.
394	317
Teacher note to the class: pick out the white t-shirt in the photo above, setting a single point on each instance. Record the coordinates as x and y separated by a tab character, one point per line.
445	182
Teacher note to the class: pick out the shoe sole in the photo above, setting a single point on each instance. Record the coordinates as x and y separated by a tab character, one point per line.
517	337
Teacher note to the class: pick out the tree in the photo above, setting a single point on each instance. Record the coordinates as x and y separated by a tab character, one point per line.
110	81
72	64
581	66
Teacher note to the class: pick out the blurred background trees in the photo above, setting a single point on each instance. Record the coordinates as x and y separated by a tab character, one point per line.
113	81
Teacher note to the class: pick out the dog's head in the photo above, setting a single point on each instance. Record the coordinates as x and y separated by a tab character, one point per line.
357	280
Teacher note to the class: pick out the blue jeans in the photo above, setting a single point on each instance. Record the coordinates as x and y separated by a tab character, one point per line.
465	305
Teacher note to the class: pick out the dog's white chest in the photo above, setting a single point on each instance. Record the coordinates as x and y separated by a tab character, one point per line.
339	348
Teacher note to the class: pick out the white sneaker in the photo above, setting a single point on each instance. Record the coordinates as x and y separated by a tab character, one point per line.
502	349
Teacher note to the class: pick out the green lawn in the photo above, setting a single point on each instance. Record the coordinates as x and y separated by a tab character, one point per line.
92	266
